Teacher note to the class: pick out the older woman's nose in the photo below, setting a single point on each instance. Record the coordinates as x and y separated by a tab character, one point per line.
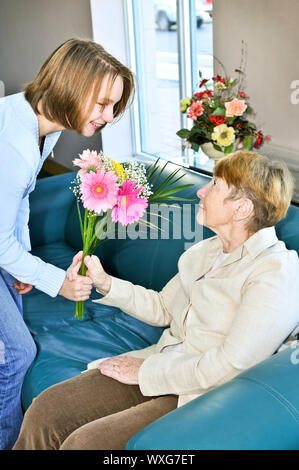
202	191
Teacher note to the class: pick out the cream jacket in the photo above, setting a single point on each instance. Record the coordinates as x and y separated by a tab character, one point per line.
227	322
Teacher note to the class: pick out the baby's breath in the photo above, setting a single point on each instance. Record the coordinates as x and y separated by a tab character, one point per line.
76	187
137	172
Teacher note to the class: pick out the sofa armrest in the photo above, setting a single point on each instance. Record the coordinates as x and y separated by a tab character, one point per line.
50	204
258	410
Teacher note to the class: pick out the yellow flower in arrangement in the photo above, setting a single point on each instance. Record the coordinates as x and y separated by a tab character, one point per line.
185	103
219	86
223	135
118	169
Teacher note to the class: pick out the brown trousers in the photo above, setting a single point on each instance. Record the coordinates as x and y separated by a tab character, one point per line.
89	412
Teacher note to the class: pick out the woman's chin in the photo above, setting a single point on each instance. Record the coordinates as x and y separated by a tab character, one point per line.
199	218
87	132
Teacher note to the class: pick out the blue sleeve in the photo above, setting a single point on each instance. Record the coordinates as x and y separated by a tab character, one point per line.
15	177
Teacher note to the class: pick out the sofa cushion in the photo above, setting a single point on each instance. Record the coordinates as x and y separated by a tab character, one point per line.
257	410
287	229
65	344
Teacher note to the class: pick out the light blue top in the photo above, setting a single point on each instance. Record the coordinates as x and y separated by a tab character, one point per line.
20	163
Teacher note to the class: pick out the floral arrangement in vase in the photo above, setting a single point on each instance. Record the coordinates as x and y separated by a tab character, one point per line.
222	117
115	193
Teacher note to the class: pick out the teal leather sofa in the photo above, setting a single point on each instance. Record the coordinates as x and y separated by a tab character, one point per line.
256	410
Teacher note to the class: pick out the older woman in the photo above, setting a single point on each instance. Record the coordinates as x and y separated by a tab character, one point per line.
232	303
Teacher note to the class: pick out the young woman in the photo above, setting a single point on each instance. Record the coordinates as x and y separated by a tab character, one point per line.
80	87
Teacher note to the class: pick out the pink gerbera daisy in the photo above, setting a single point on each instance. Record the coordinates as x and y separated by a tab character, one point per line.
89	160
99	191
129	207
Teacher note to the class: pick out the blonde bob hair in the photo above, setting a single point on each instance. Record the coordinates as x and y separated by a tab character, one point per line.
267	183
68	77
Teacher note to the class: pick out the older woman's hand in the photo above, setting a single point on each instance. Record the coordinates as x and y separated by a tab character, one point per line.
101	280
122	368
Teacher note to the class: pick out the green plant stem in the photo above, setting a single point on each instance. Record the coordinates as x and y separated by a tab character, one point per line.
87	237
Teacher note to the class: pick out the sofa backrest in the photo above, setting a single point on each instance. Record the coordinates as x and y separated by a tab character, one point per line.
150	258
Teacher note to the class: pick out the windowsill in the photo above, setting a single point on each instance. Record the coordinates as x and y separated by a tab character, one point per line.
194	161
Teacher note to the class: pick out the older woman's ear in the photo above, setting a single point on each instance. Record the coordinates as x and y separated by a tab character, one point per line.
244	209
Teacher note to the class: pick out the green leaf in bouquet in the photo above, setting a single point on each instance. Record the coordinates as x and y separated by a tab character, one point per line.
248	142
168	181
217	147
177	198
230	121
196	130
228	149
202	132
195	146
219	111
164	194
80	219
183	133
168	186
153	181
152	169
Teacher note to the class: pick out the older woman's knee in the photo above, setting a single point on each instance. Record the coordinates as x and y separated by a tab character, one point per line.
44	409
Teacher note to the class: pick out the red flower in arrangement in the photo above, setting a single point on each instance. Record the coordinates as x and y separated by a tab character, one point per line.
218	78
243	95
217	120
203	82
259	140
195	110
201	95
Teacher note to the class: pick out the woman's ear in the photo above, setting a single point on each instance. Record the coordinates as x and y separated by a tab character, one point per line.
244	210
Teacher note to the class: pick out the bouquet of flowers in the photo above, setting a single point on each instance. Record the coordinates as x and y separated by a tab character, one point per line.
111	192
221	116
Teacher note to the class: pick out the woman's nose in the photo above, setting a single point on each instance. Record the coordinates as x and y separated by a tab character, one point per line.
202	191
108	114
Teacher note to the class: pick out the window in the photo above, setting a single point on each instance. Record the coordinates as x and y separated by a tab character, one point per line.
169	42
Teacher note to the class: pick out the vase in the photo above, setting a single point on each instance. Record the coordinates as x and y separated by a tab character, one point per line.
209	151
213	154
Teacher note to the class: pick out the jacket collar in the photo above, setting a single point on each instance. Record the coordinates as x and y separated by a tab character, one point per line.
27	117
255	244
261	240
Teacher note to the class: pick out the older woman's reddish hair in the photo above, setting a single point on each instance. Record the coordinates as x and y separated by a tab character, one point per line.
267	183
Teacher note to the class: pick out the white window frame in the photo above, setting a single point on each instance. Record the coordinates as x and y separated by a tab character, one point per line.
188	74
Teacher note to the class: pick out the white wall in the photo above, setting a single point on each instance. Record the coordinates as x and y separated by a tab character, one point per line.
270	30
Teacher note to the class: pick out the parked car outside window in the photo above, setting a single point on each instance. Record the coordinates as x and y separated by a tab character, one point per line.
166	15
